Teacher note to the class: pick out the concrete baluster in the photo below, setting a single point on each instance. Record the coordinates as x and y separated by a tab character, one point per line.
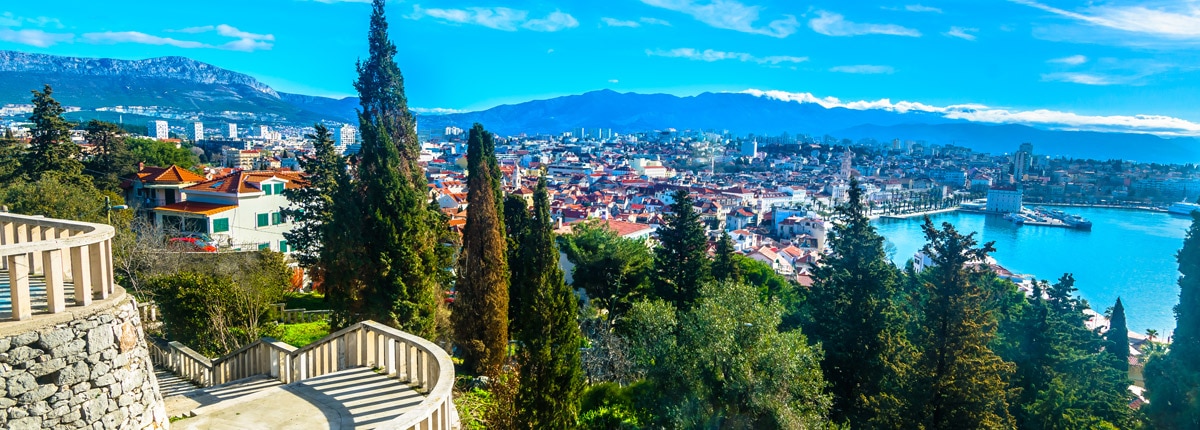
52	264
18	287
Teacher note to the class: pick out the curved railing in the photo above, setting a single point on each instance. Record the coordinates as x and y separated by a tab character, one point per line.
60	251
403	356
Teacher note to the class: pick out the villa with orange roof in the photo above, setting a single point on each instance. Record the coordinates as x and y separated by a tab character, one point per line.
241	210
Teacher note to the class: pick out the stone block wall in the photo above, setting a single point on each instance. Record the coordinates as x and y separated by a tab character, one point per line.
89	370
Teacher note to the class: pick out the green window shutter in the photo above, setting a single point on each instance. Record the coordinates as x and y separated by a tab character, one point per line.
220	225
263	220
277	218
279	188
283	246
263	246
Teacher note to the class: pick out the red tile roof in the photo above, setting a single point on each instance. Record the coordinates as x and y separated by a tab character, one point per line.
168	175
239	182
199	208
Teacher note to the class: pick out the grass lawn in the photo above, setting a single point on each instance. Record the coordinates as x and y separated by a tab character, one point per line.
301	334
308	301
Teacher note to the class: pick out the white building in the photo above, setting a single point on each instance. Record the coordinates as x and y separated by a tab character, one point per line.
651	169
241	158
196	132
346	138
158	130
242	210
231	132
1004	199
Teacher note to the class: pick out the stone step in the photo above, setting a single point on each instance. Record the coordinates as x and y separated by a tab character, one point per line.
171	385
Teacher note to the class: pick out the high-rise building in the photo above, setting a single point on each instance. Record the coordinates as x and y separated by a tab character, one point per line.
346	136
264	131
232	133
1022	160
196	133
158	130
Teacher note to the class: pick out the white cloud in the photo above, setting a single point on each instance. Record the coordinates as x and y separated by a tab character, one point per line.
246	41
499	18
832	24
613	81
920	8
613	22
32	37
230	31
1151	124
555	21
654	21
864	69
710	55
962	33
112	37
730	15
1082	78
1073	60
1184	24
7	19
435	111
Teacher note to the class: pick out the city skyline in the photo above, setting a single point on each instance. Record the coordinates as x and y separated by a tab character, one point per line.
1020	61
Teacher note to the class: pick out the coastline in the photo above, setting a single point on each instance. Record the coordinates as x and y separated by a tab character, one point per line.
915	214
1089	205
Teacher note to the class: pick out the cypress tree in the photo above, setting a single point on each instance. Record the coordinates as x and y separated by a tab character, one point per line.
392	271
480	314
1173	380
50	147
855	314
313	205
551	370
681	259
1117	338
960	380
516	220
724	268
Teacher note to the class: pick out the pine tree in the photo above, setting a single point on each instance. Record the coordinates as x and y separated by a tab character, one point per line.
111	157
1117	338
854	309
50	148
681	259
480	312
724	267
312	205
551	370
392	271
1173	380
960	380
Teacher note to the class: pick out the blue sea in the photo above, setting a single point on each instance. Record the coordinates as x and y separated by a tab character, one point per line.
1128	253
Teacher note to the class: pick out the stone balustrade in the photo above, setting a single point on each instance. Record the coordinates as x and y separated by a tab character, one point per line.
61	252
403	356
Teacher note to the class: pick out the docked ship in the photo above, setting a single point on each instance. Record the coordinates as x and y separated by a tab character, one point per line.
1068	220
1183	208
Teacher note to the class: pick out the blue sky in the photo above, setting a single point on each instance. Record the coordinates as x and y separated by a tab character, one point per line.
1075	63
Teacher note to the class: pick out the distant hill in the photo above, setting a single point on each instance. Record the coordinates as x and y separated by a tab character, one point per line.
179	83
745	113
187	86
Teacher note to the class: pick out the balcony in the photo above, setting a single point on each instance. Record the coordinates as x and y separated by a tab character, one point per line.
47	261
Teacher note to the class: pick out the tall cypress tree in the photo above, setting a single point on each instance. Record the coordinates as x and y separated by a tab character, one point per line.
724	267
516	220
50	147
1173	380
480	312
854	309
391	273
1117	338
681	262
960	380
313	205
551	370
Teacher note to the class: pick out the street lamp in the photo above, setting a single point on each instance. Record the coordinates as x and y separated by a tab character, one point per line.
108	208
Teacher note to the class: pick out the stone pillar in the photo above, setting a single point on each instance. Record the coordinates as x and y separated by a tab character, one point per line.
81	275
18	286
52	264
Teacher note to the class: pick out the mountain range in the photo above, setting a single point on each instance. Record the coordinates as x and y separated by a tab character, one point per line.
189	88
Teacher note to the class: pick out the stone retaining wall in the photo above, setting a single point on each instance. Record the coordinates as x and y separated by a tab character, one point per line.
91	370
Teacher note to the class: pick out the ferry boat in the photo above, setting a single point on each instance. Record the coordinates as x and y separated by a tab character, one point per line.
1068	220
1183	208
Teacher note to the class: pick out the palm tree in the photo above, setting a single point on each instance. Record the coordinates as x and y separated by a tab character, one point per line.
1151	334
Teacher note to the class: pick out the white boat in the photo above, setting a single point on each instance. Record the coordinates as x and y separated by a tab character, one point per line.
1183	208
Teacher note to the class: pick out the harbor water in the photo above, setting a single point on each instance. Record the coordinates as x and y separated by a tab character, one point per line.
1128	253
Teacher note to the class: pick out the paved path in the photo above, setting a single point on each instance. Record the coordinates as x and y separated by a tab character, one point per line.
357	398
